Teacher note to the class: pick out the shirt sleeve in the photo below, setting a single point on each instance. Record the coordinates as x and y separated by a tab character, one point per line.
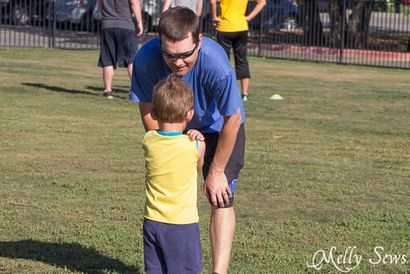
142	82
227	95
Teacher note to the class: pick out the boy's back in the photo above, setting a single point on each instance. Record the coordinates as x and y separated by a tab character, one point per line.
172	242
171	177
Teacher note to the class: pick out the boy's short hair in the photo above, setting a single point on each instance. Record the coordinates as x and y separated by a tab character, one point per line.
172	99
176	23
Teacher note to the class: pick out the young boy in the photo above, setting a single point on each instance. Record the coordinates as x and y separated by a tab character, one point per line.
171	231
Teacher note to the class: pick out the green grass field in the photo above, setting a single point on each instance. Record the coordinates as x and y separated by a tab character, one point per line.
327	166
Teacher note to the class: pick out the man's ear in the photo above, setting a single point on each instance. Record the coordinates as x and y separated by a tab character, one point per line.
200	40
153	116
189	115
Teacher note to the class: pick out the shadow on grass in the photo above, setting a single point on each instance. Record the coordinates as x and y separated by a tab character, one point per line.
73	91
64	255
122	89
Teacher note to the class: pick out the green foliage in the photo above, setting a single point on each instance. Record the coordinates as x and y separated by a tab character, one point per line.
327	166
390	6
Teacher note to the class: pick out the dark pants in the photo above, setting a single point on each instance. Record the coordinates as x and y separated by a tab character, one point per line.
238	42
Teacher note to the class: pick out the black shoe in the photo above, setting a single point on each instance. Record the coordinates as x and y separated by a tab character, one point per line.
108	94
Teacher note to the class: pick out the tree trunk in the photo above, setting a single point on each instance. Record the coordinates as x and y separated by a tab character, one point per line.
310	20
397	6
358	24
336	20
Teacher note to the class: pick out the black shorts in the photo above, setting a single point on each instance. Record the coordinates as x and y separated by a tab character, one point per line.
235	163
118	47
238	41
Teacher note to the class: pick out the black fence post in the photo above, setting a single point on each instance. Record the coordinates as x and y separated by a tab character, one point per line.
260	33
342	34
54	24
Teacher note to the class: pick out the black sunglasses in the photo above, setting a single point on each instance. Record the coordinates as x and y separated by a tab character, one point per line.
182	56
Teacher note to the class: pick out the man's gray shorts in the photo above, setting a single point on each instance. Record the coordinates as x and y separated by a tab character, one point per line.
118	47
235	163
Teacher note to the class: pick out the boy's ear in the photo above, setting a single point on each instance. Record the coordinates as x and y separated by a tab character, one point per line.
189	115
153	116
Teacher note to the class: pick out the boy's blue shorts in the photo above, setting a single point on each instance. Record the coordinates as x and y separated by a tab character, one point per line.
171	248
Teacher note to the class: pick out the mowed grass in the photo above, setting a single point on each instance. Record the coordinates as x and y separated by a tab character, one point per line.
327	166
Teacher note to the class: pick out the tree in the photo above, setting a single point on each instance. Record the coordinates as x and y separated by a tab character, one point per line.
310	19
336	21
356	24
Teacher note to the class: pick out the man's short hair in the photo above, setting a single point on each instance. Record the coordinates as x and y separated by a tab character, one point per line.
176	24
172	99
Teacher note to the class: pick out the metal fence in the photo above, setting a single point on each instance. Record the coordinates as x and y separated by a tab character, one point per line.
363	32
49	23
367	32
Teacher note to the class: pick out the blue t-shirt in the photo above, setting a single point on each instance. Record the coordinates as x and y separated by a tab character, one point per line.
212	78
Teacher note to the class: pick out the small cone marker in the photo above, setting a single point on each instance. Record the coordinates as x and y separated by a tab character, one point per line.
276	97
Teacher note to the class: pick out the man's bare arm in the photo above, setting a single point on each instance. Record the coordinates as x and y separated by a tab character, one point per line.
216	184
147	120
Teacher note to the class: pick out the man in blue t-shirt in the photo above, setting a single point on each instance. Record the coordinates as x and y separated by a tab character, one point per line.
219	112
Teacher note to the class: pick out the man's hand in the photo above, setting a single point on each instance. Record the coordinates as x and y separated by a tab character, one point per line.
216	188
195	135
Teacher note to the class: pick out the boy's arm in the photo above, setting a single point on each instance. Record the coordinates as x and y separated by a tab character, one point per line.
201	153
194	134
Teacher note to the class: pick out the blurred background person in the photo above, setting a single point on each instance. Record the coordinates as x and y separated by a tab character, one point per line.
118	37
232	32
195	5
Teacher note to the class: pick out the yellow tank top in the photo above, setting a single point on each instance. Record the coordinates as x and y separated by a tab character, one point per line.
171	177
232	13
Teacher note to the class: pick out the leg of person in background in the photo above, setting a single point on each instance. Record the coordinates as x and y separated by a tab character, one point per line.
239	45
245	88
108	75
130	71
224	40
222	229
